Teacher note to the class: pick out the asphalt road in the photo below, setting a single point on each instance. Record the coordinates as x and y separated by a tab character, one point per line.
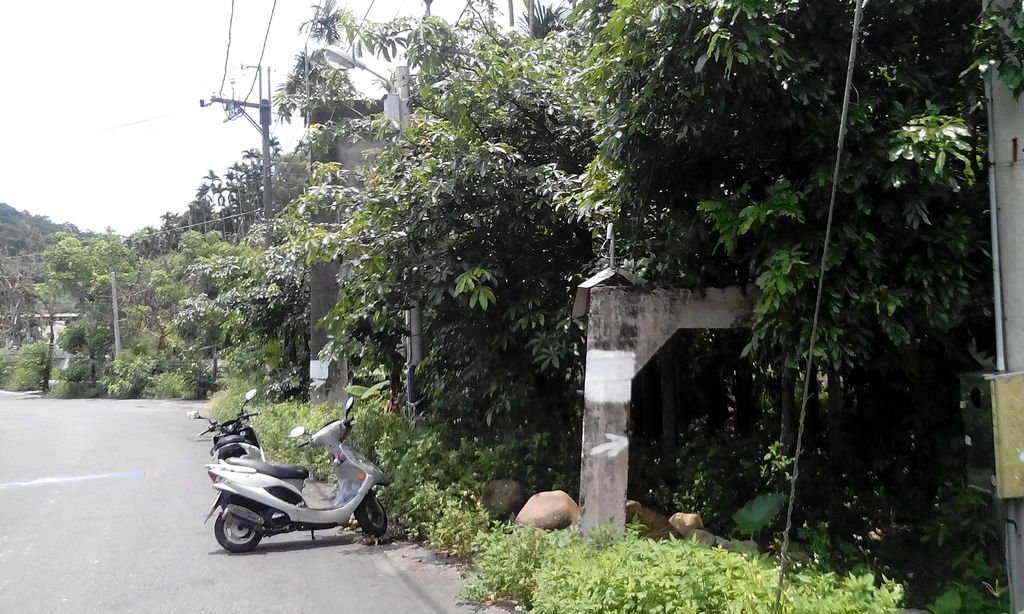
101	510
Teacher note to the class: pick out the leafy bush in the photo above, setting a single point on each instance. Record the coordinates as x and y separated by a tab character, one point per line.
129	376
225	402
31	369
276	421
560	573
77	390
200	381
78	370
168	386
7	361
508	559
461	519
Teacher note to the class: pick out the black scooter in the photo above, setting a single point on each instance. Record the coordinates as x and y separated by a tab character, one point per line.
234	438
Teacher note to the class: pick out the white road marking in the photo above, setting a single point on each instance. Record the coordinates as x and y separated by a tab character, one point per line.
74	478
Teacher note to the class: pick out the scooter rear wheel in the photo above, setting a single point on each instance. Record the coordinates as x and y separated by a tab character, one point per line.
234	535
371	515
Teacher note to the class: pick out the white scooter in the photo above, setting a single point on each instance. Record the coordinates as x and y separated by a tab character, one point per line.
258	499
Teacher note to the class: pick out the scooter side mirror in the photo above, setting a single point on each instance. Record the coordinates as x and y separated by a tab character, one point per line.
349	404
250	395
298	431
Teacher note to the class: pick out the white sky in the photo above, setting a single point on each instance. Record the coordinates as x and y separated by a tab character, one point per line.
100	123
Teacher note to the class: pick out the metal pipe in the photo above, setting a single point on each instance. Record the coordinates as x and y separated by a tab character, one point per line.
997	277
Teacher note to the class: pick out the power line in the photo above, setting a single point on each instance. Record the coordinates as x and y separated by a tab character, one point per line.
400	7
227	52
266	35
136	122
209	222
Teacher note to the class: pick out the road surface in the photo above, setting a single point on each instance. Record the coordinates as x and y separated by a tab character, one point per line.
101	510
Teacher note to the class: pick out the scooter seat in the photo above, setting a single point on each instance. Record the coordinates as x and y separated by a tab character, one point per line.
225	440
277	470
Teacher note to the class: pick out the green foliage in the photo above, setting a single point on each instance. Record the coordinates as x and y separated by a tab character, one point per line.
999	40
31	369
557	572
947	603
457	521
758	513
24	233
254	306
462	213
129	376
8	360
508	559
962	529
169	385
276	421
226	402
77	390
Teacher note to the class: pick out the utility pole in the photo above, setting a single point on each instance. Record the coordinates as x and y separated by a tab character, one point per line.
117	316
1006	190
396	107
235	108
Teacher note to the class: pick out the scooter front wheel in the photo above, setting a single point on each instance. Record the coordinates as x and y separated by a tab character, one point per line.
371	515
234	535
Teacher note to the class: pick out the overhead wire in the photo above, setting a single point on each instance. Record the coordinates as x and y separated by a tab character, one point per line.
400	7
783	559
259	64
227	52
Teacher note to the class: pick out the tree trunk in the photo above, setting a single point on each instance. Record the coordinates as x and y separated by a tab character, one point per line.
216	352
787	430
49	359
836	408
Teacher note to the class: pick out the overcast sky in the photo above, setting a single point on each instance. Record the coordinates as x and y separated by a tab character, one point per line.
100	123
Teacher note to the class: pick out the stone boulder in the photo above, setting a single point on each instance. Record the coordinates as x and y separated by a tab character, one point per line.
686	524
656	526
503	497
550	510
704	537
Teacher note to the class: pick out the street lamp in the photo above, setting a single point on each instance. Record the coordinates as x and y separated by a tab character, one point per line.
396	104
343	61
396	108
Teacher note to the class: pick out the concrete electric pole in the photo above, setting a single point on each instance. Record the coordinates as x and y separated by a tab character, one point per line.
235	108
396	108
117	315
1006	188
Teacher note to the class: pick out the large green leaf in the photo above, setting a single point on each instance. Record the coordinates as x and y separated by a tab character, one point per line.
758	513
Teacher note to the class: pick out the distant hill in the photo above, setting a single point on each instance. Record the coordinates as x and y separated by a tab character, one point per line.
24	233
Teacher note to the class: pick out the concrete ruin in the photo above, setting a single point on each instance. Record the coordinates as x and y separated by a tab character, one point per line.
627	325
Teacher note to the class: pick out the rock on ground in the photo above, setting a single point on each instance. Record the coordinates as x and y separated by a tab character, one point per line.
550	510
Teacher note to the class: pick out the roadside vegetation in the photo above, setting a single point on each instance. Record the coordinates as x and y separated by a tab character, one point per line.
704	133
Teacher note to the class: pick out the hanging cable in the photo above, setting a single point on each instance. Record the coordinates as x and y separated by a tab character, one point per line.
266	35
857	14
227	52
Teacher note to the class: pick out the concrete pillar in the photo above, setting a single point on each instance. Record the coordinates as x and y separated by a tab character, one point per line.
328	378
1006	155
627	326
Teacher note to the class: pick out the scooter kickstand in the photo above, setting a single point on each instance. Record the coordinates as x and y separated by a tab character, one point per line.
311	536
